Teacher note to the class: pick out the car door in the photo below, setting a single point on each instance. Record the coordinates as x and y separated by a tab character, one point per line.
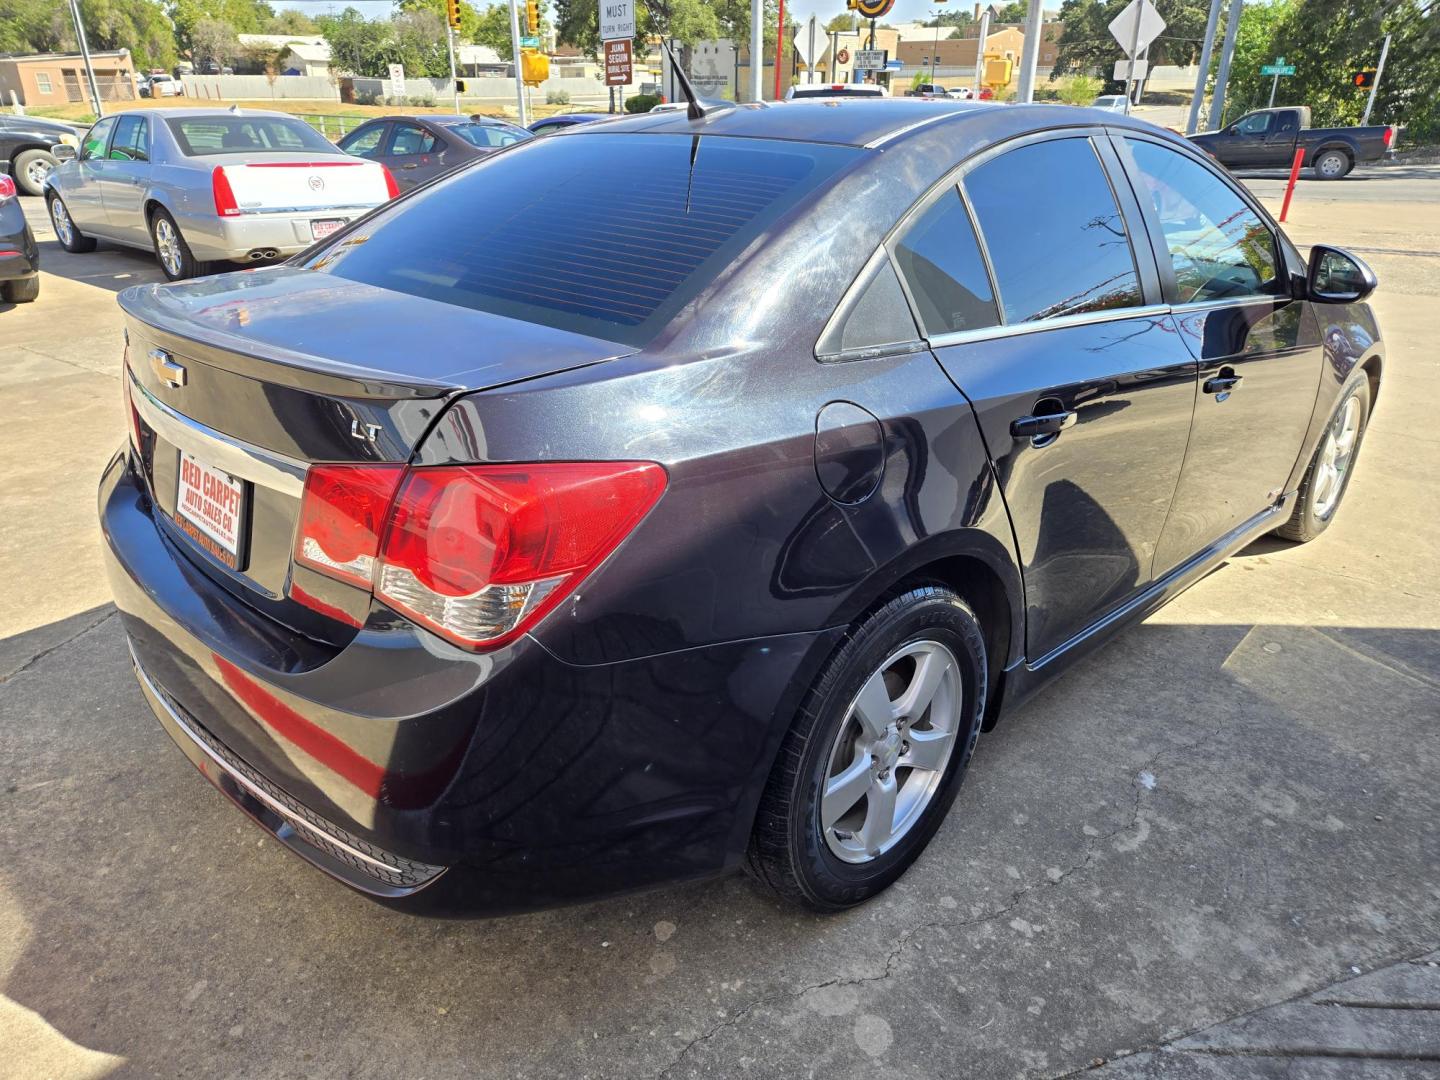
1244	146
127	173
1227	276
83	198
1278	148
411	154
1048	318
367	141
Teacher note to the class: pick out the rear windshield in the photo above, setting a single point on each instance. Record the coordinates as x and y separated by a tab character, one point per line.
490	135
247	135
605	234
838	91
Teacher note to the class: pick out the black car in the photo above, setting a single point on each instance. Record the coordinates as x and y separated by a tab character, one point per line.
1268	139
25	143
419	148
19	257
547	533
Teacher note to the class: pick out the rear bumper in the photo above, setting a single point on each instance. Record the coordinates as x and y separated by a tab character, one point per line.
427	776
233	238
15	237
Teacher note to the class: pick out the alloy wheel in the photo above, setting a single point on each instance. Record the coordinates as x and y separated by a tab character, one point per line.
1336	453
167	246
1332	165
891	751
60	218
37	171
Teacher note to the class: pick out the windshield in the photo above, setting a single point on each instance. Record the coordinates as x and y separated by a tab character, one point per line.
836	91
605	235
225	134
490	135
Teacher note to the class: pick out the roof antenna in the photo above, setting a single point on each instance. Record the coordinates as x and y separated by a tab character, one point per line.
696	109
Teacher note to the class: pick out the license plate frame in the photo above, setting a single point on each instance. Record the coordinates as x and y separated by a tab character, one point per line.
320	228
230	495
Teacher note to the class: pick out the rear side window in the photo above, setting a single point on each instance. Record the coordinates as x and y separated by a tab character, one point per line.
492	135
409	139
1055	237
221	134
1218	246
606	235
939	257
365	142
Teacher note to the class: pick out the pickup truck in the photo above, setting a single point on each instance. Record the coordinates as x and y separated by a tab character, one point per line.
1268	139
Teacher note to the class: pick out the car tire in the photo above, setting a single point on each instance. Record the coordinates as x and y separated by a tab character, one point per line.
171	251
1332	165
807	846
66	231
22	290
30	169
1330	469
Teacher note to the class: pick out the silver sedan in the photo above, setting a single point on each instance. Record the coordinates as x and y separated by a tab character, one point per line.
208	185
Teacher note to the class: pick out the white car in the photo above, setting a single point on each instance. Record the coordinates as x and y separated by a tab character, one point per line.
161	86
1109	102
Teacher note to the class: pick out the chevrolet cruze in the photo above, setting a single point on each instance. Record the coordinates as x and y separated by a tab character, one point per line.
545	534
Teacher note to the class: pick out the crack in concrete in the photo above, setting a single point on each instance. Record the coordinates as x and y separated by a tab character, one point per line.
892	958
37	657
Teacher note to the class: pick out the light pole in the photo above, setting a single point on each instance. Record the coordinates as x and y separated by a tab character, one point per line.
935	55
85	54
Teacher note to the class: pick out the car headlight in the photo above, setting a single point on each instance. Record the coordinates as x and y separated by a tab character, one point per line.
71	140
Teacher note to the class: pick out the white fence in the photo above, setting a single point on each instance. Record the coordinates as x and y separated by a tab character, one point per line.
259	87
491	89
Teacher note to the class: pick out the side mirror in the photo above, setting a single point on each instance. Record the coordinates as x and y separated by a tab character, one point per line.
62	152
1337	277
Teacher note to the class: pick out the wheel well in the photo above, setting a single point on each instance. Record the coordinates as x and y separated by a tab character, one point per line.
151	205
1371	368
1339	147
983	590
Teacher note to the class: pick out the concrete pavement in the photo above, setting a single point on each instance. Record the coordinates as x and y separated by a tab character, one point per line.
1231	807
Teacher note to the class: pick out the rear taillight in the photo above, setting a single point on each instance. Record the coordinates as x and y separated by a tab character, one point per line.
476	553
7	188
342	516
225	204
127	394
392	189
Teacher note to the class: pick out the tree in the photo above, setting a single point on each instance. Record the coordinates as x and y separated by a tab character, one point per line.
577	22
28	26
1086	44
291	21
843	23
415	38
213	44
1013	13
356	43
951	18
242	16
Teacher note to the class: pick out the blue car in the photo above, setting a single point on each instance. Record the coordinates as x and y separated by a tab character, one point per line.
551	124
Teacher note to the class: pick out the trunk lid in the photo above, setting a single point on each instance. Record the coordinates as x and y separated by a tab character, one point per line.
301	181
257	375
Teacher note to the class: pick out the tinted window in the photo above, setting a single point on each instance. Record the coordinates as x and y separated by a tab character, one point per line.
221	134
1056	241
365	142
490	135
1218	246
132	140
94	145
409	139
561	231
940	259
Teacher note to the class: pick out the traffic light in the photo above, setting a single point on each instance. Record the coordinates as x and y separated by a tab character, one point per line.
534	67
460	86
452	13
532	17
1363	80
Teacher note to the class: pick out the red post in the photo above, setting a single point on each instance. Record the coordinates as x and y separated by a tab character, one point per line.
1290	187
779	47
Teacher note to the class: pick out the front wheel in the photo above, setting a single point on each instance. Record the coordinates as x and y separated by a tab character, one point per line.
31	168
171	250
1329	473
875	755
1332	165
70	237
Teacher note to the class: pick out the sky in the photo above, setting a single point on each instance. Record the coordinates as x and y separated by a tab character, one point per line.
800	10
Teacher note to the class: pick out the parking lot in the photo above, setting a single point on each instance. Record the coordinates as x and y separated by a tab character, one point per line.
1231	806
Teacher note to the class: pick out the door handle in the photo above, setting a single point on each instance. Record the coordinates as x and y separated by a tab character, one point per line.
1043	427
410	165
1222	383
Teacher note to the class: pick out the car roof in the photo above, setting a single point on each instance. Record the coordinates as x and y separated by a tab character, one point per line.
193	113
852	121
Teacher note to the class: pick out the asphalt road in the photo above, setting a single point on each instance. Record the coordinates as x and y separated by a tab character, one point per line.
1230	807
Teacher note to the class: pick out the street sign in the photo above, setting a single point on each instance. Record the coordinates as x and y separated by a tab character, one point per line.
806	44
528	41
1123	72
871	59
1124	29
1277	69
617	19
397	80
874	9
619	61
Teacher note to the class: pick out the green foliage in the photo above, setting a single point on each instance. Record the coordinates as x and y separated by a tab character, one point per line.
919	79
213	42
641	103
30	26
241	16
414	38
958	17
1013	13
577	22
843	23
1079	89
1086	44
291	21
557	97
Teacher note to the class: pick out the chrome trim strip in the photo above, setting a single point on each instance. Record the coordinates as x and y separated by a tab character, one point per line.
263	467
319	212
889	136
293	819
1227	301
1089	318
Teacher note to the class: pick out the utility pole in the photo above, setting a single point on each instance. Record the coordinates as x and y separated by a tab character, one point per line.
980	49
1374	86
779	46
813	62
454	79
1135	49
515	56
85	55
1227	54
1030	54
757	46
1201	79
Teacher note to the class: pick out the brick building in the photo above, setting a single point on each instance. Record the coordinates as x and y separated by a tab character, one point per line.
59	78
